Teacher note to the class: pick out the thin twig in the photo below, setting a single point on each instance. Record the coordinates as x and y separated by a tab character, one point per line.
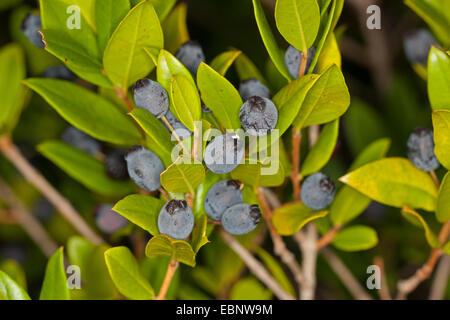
255	266
28	222
309	254
171	268
435	178
123	96
347	278
327	238
164	193
13	154
440	281
296	141
384	290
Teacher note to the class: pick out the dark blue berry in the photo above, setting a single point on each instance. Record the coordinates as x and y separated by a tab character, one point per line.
317	191
116	166
176	219
30	27
107	220
293	60
241	218
224	153
191	55
417	45
151	96
221	196
421	149
258	116
144	168
253	87
81	141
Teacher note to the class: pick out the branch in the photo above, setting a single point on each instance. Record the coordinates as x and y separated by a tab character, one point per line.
327	238
384	290
347	278
13	154
255	266
28	222
309	253
171	268
296	141
440	281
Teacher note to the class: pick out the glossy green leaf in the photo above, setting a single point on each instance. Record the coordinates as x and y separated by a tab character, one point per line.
267	174
443	202
84	168
199	238
441	124
12	67
394	182
55	280
162	245
330	55
439	79
10	290
249	289
349	203
141	210
87	111
14	270
175	28
108	14
268	38
246	69
158	137
78	250
125	59
184	175
356	238
327	100
186	101
223	61
124	271
162	7
415	218
220	96
298	22
290	218
322	151
168	66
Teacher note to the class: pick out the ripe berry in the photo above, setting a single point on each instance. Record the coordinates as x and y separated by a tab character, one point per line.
144	168
116	166
151	96
317	191
108	220
176	219
59	72
293	60
421	149
258	116
241	218
81	140
224	153
191	55
253	87
176	124
417	45
221	196
31	24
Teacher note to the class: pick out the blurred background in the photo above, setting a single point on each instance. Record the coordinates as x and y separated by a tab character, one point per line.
389	99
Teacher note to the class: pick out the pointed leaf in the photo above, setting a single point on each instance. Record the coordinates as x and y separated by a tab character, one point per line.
162	245
356	238
10	290
199	238
175	28
290	218
418	220
246	69
55	281
223	61
186	101
260	174
183	176
443	202
441	124
439	79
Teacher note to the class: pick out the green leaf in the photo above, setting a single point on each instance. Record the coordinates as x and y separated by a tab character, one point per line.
246	69
55	281
446	248
298	22
322	151
162	245
330	55
439	79
168	66
10	290
250	289
78	250
356	238
124	271
87	111
141	210
159	139
13	269
186	101
84	168
441	124
199	238
290	218
175	28
443	201
349	203
125	59
326	101
220	96
268	38
223	61
108	14
200	194
184	175
394	182
276	270
12	68
162	7
419	221
267	174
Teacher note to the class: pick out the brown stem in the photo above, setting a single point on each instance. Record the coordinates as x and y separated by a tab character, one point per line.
123	96
296	141
175	134
440	281
384	290
327	238
171	268
13	154
255	266
27	221
164	193
303	64
279	246
435	178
